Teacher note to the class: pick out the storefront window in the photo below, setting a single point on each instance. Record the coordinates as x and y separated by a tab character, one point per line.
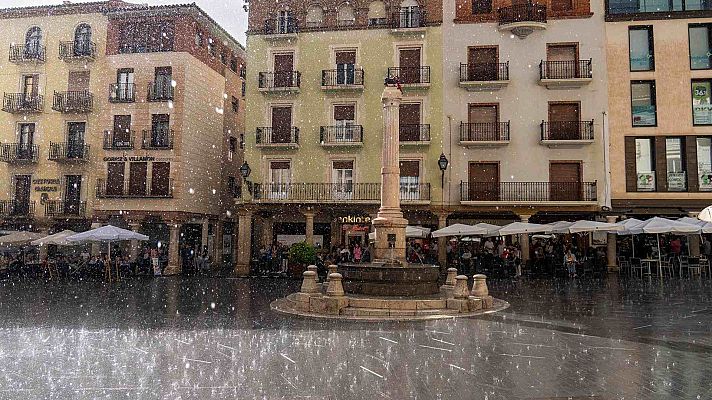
700	48
674	156
704	163
643	103
701	102
641	48
645	165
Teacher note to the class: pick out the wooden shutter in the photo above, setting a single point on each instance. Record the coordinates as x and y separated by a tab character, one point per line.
160	178
122	128
344	113
480	113
565	181
343	165
483	181
115	178
410	168
631	174
279	165
78	81
559	52
693	183
346	57
137	178
660	165
281	124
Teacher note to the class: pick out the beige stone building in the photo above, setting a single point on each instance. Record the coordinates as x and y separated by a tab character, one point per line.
126	114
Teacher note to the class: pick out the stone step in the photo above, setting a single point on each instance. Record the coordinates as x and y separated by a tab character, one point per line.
397	304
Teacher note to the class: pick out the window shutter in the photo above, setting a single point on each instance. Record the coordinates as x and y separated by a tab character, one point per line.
343	165
693	183
631	175
660	165
344	113
410	168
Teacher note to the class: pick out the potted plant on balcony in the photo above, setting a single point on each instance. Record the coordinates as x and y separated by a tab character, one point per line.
300	256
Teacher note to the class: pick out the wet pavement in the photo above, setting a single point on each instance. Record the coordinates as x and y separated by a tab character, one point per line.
201	338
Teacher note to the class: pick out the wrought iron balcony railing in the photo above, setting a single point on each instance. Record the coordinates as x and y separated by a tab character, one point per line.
68	151
20	53
75	50
160	90
529	12
334	135
281	26
479	72
129	190
335	192
267	135
18	103
410	75
573	69
408	18
528	191
19	153
279	80
567	130
122	93
81	101
157	140
118	141
65	209
414	133
484	131
335	78
17	208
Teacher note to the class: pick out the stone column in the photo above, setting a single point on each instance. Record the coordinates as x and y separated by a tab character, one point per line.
611	246
135	226
95	246
218	243
309	215
243	243
693	241
442	241
204	234
390	221
524	241
267	231
174	262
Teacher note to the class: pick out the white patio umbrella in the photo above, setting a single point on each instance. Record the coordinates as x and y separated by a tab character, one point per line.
459	230
706	214
492	230
589	226
108	234
516	228
21	238
658	225
418	232
705	227
58	239
560	226
627	224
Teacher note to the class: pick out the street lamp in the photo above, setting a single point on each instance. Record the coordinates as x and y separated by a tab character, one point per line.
245	170
442	163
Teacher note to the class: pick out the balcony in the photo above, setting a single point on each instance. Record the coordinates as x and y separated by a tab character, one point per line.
285	81
565	74
411	77
284	137
21	103
23	54
618	10
77	51
566	133
157	140
522	19
408	21
17	209
122	93
120	141
414	134
65	209
342	80
160	91
73	102
484	77
527	193
484	134
341	136
68	152
369	193
144	190
282	28
19	153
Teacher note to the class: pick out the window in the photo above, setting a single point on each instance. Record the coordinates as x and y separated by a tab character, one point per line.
409	127
33	41
138	172
160	130
124	90
243	71
223	58
345	67
700	46
409	179
342	178
244	88
643	103
675	158
235	104
481	6
315	16
198	39
242	140
144	37
645	164
642	53
704	163
232	185
701	102
163	83
115	178
233	64
82	40
160	179
344	119
29	87
211	47
377	13
345	15
279	177
232	147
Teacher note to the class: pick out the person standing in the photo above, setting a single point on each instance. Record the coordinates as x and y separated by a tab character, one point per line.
357	253
154	262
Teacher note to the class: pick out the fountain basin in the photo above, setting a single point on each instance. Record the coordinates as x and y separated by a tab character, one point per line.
390	279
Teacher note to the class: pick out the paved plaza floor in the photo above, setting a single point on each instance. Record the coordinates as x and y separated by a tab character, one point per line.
202	338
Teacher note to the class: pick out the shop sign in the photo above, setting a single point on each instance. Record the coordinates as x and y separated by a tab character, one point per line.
354	219
646	181
355	228
46	185
676	181
133	158
706	181
701	104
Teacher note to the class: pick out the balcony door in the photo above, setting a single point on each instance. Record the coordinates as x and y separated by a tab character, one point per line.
160	178
562	61
280	174
115	179
124	84
122	131
482	63
160	131
72	194
163	82
137	178
281	125
409	63
284	70
409	122
342	178
345	67
344	118
409	179
564	121
22	185
75	139
78	81
565	181
285	22
483	178
82	40
483	122
26	140
29	88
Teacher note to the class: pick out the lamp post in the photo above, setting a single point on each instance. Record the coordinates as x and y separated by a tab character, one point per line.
442	164
245	171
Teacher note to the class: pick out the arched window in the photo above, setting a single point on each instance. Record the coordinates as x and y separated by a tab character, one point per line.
377	13
82	40
315	16
33	40
345	15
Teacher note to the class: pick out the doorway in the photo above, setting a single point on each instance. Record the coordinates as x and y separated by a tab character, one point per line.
72	194
21	204
565	181
483	181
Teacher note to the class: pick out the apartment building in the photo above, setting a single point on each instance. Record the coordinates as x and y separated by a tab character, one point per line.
126	114
660	76
314	122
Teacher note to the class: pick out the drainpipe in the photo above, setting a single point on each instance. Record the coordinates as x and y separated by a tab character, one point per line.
606	162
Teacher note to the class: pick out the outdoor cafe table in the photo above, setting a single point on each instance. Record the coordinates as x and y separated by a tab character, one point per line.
649	261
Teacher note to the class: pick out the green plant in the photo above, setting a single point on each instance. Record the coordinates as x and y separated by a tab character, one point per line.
302	253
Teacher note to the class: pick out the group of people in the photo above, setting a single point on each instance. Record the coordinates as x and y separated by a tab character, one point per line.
485	256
